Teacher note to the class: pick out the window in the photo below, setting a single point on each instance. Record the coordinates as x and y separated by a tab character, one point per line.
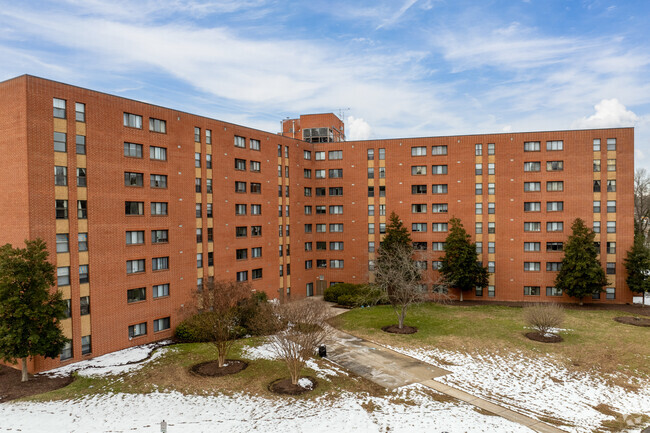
554	206
490	148
416	227
161	324
335	154
240	164
437	246
478	169
240	209
199	235
371	172
321	228
596	144
478	149
138	330
158	208
208	185
553	266
491	227
256	274
59	108
532	246
532	166
478	208
382	172
210	234
610	292
321	246
81	177
479	247
491	168
197	160
242	276
611	268
307	192
320	210
491	266
371	209
158	153
555	145
336	191
419	208
531	146
61	208
240	232
596	227
256	188
307	173
554	165
555	186
611	144
438	150
256	209
60	139
532	186
286	151
133	179
611	226
82	209
256	252
491	189
322	264
439	208
306	154
82	240
419	151
554	226
158	125
371	191
208	136
86	346
60	175
132	150
554	246
596	165
596	206
320	174
382	228
439	227
611	247
418	170
80	141
63	276
371	228
382	154
533	227
132	120
66	352
438	169
531	290
256	231
62	243
336	228
491	208
84	305
158	181
254	144
159	236
279	150
159	263
418	189
308	228
134	266
532	206
241	254
208	210
338	172
135	237
596	186
478	228
308	246
611	186
611	165
491	247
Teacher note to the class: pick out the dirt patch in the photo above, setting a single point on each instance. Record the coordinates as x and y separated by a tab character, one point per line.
285	387
212	369
395	329
544	338
633	320
12	388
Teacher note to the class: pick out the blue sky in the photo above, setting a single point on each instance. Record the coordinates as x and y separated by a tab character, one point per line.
399	68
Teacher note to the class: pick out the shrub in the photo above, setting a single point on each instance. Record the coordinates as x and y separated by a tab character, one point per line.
192	330
352	295
544	317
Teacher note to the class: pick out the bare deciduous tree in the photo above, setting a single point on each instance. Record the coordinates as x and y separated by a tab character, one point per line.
642	200
216	302
305	331
400	277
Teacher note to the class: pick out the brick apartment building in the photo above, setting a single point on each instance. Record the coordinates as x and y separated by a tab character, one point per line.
139	203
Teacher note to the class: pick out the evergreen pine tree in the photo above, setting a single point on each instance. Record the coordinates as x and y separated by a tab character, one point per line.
581	274
637	264
29	313
460	264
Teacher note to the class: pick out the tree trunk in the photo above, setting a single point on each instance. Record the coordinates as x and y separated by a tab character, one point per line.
401	319
461	295
24	377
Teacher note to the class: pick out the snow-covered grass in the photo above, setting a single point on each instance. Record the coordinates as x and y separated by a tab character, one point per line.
540	387
409	410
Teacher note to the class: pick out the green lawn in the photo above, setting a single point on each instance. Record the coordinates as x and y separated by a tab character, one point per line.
592	339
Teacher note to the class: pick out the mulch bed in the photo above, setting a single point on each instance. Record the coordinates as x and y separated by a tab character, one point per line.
631	320
544	338
212	369
12	388
395	329
285	387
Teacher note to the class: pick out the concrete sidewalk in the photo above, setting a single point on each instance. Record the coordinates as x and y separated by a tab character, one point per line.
391	370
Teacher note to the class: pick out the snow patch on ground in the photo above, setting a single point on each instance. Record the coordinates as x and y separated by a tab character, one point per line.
263	351
122	361
304	382
409	410
537	387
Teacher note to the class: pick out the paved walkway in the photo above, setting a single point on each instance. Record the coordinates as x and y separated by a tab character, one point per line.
391	370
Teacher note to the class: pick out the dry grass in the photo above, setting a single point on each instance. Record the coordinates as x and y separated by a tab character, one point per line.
620	422
484	412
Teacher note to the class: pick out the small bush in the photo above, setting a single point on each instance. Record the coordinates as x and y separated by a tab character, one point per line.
352	295
192	330
544	317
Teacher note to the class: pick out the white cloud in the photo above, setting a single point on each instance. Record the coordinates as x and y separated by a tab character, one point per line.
639	155
396	16
610	113
357	129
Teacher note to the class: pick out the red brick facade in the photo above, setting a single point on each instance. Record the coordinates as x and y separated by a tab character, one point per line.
325	237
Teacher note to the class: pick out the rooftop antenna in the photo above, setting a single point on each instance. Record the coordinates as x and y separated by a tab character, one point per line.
341	112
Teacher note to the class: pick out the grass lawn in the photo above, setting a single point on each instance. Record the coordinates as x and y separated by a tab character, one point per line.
170	372
592	340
